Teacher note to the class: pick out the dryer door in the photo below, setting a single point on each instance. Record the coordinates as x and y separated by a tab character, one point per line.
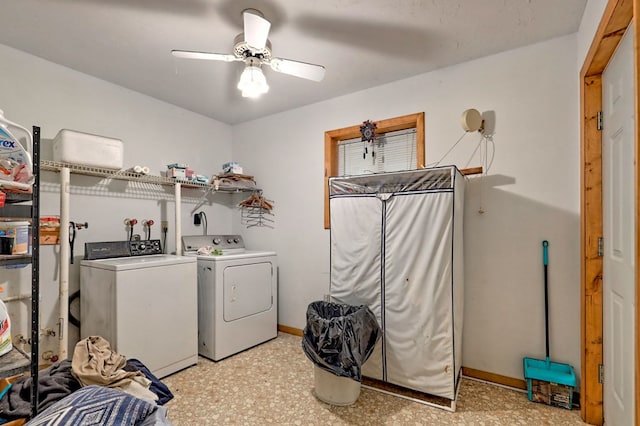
247	290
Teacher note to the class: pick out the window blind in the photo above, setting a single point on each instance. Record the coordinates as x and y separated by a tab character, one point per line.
394	151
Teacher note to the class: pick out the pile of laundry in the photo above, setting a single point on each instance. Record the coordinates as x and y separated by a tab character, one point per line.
95	368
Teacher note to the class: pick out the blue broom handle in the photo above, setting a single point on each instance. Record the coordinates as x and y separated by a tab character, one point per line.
545	262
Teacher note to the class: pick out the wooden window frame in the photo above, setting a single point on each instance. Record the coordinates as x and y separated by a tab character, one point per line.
333	137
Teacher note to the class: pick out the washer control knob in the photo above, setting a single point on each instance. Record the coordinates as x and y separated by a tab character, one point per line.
216	241
236	240
142	247
229	240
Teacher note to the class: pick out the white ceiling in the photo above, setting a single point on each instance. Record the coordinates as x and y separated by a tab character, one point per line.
362	43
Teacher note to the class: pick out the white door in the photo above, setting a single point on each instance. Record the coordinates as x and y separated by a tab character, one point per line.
619	234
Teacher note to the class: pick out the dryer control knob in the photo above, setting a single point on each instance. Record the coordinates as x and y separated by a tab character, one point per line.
236	240
216	241
229	240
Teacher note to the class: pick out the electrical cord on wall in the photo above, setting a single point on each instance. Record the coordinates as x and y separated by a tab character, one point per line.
486	159
72	240
72	236
437	163
487	148
164	240
203	218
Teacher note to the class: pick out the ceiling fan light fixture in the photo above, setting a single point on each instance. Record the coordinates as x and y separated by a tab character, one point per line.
252	82
252	46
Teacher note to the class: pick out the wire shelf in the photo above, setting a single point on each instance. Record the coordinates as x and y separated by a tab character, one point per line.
56	166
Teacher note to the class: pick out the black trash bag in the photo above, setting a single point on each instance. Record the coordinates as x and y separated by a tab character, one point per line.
339	338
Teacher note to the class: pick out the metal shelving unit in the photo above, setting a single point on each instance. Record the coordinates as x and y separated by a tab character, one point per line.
16	361
56	166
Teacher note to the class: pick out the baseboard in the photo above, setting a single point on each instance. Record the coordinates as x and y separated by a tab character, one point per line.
507	381
466	371
494	378
289	330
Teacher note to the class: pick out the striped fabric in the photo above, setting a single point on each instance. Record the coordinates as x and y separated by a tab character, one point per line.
95	405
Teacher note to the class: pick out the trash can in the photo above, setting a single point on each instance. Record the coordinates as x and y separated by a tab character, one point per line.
338	339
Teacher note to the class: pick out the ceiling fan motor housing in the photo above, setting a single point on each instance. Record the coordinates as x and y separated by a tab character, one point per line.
243	51
253	47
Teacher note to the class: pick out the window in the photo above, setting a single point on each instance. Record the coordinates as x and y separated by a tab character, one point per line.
390	152
399	145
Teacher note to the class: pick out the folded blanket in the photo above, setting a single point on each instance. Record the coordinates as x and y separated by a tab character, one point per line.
54	383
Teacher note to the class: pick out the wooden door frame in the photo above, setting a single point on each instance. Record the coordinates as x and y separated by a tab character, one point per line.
616	18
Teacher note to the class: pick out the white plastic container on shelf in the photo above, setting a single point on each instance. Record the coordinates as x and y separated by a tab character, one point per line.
16	164
5	330
71	146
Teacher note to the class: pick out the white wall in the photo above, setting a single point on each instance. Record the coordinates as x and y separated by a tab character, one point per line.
588	26
34	91
530	194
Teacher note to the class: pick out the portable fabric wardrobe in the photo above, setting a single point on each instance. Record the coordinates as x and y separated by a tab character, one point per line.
396	246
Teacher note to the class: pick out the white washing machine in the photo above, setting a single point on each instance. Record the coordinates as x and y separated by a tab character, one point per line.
237	294
145	306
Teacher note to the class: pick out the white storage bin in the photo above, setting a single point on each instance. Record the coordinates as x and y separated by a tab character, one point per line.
70	146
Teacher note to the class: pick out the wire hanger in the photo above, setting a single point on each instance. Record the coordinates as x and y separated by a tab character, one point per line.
256	211
257	200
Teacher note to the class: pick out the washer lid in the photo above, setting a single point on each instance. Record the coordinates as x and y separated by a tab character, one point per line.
138	262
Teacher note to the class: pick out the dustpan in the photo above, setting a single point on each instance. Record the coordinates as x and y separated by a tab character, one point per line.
549	382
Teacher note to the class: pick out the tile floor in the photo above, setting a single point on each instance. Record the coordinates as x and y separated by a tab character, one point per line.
273	383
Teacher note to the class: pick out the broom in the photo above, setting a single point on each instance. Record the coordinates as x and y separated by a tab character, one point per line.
549	382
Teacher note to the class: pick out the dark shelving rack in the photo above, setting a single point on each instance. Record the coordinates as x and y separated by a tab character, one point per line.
16	361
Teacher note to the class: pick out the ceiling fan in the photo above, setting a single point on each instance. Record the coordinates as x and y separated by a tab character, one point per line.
254	49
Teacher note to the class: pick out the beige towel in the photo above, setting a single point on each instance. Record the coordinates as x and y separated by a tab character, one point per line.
94	363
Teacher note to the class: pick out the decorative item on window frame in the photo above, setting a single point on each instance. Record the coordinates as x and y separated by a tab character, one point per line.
368	133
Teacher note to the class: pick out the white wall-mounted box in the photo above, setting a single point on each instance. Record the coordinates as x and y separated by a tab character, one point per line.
71	146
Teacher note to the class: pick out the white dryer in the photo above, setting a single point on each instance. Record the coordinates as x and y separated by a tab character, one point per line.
237	294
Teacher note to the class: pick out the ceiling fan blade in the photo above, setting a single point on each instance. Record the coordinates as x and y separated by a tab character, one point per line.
256	29
189	54
298	69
